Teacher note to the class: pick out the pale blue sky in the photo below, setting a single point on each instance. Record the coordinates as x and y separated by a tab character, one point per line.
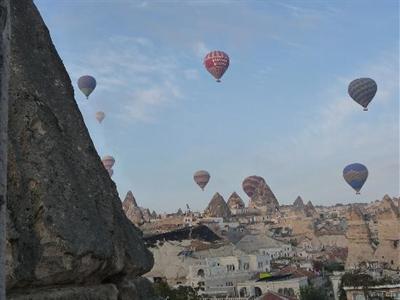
282	109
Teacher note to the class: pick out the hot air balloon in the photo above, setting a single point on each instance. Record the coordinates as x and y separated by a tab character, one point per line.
250	184
362	90
355	175
216	62
108	161
100	116
201	178
87	84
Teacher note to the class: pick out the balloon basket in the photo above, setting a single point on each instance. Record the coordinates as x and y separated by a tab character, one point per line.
365	109
358	193
218	80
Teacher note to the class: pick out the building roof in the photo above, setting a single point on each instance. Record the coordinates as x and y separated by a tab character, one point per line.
253	243
222	251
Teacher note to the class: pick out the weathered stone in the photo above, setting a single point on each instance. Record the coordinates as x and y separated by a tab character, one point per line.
217	207
66	222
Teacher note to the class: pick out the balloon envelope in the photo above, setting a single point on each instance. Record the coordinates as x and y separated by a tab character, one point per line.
251	183
87	84
216	63
355	175
108	161
362	90
100	116
201	178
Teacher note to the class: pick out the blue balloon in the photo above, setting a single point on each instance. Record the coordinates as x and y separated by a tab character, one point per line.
87	84
363	90
355	175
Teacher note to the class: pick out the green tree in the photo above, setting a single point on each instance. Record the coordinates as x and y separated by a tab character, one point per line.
309	292
181	293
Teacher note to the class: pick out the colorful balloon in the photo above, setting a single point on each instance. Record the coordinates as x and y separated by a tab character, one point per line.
201	178
87	84
251	183
100	116
216	62
362	90
355	175
108	161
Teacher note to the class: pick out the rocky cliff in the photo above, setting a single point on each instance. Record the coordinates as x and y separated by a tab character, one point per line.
68	237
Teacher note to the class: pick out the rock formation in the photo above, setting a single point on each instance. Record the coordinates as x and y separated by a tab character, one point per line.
130	199
235	202
359	239
388	250
264	199
385	247
67	233
146	214
217	207
132	210
298	203
310	210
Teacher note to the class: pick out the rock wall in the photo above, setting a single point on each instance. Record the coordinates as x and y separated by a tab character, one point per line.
4	73
67	233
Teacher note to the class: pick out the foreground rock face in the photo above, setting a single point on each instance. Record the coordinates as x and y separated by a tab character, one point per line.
66	224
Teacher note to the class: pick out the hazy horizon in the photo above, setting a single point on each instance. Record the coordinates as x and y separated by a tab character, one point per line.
282	110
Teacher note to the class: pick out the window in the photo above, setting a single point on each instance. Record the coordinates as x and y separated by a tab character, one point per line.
200	273
230	268
243	292
246	266
229	283
260	265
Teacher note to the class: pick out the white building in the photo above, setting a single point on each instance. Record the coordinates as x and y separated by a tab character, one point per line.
265	245
287	287
218	271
